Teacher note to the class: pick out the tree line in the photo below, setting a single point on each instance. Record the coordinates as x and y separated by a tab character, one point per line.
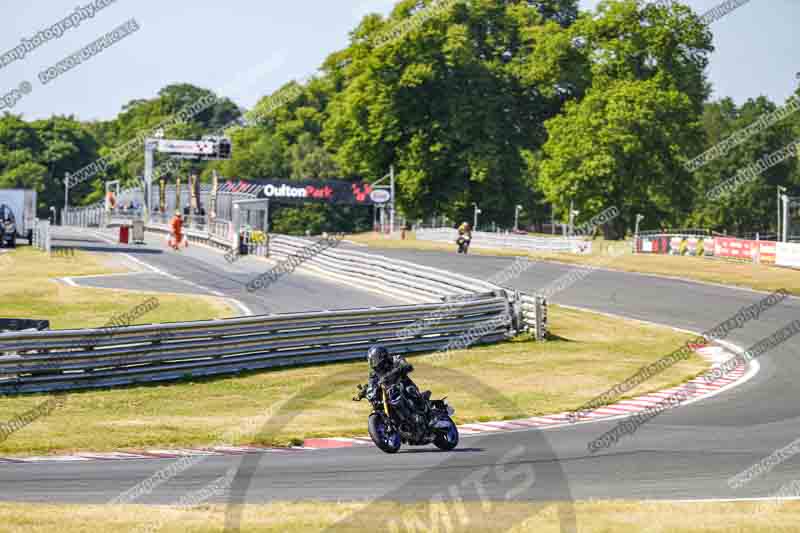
499	102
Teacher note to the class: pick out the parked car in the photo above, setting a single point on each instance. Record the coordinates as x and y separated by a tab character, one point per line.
8	228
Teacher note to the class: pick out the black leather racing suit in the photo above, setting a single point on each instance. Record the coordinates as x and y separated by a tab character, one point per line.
397	375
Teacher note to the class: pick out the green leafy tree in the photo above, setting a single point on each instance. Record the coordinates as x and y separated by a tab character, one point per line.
624	143
621	147
446	104
37	155
753	206
310	160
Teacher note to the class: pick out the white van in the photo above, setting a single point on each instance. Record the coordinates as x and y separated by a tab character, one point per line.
17	215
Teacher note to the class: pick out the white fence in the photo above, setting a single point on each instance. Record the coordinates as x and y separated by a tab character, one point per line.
41	235
482	239
84	217
788	254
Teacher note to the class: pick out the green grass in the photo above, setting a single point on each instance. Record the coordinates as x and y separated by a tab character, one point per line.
590	354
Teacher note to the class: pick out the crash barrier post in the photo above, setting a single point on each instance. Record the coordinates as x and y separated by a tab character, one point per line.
59	360
137	231
534	316
41	235
36	233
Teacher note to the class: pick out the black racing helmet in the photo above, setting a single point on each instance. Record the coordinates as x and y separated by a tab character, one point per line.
378	357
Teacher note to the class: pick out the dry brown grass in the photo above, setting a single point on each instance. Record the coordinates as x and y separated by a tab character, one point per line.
29	289
475	517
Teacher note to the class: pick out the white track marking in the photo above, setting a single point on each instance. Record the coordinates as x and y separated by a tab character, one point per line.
119	275
752	368
243	308
354	243
157	270
646	274
173	276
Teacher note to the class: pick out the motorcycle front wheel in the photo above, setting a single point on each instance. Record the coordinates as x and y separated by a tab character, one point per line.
448	439
384	436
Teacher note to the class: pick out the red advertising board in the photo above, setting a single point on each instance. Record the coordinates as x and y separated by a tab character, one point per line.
735	248
745	250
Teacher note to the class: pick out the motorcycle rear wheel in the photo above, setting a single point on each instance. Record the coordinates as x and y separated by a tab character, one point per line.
448	440
388	440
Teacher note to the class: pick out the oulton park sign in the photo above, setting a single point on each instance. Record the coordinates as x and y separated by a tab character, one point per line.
303	191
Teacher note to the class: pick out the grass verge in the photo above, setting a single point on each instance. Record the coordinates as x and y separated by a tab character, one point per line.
589	354
475	517
28	289
749	275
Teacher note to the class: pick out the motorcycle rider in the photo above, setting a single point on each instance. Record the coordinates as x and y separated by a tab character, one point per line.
464	237
390	371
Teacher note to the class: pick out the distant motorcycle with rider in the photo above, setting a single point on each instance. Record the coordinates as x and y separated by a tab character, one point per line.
464	238
400	413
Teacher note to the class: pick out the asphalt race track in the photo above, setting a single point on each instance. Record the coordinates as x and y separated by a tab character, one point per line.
201	270
688	453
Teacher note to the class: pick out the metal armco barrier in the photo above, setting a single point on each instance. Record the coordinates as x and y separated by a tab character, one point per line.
220	232
80	359
373	271
400	278
99	358
534	315
482	239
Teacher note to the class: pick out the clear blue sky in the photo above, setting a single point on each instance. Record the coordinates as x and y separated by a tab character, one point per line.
249	48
